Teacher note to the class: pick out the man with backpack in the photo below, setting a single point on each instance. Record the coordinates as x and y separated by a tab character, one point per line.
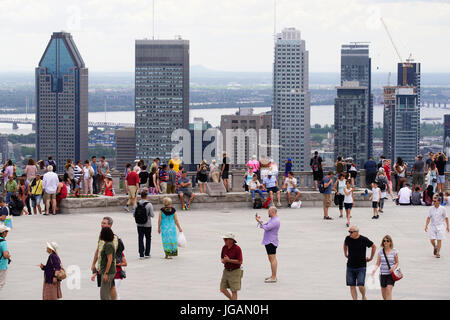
51	162
316	166
119	247
143	212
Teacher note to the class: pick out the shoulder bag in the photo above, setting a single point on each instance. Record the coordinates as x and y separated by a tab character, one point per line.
397	273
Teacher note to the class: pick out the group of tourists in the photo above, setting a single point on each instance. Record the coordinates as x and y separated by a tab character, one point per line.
40	184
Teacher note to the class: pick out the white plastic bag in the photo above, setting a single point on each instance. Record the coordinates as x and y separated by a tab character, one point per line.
296	205
181	240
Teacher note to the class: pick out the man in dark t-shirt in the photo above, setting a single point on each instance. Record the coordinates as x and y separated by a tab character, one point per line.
355	247
316	166
440	165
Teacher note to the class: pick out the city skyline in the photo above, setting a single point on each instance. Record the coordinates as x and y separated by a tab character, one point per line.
234	34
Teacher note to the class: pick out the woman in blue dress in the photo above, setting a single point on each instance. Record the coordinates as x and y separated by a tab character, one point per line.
167	223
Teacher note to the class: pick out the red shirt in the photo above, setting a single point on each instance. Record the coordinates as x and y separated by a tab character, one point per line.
132	178
387	170
234	253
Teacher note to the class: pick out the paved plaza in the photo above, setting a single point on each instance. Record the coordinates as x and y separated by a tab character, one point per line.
310	256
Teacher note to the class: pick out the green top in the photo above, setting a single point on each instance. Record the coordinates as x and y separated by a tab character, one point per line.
108	249
11	186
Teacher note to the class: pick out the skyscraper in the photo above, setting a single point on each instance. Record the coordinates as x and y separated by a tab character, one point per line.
61	102
410	74
406	125
388	120
356	66
351	115
291	98
125	147
162	95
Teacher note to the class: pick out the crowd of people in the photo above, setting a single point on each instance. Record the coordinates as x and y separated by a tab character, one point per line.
261	178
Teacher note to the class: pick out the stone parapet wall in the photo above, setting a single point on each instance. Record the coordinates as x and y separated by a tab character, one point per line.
232	200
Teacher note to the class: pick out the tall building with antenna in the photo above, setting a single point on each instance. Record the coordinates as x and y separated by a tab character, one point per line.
161	95
291	98
61	102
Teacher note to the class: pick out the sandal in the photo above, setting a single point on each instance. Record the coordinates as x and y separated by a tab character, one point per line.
327	218
270	280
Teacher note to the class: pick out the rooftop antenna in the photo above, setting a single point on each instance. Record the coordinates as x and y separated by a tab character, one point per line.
153	19
274	20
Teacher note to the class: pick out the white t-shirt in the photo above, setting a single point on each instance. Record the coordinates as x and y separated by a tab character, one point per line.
348	198
404	195
254	185
376	193
291	183
437	216
86	173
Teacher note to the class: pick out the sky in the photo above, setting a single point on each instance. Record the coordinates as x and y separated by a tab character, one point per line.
227	35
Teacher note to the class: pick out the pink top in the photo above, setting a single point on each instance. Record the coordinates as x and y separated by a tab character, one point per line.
30	171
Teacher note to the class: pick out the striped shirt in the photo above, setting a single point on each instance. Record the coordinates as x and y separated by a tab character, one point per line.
384	269
77	172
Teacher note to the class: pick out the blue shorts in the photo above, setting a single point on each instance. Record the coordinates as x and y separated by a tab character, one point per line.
356	276
36	201
293	190
440	179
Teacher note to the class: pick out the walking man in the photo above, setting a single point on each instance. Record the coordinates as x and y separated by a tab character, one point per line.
270	240
5	256
107	222
355	251
438	221
231	257
142	215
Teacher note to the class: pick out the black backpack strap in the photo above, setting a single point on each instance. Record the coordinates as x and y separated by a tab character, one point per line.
387	261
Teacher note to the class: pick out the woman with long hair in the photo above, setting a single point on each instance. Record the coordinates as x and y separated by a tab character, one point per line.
31	170
387	260
433	175
400	169
167	223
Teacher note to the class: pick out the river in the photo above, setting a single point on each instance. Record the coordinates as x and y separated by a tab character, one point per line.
323	115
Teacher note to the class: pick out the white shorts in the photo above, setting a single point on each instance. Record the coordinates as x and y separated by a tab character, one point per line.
436	233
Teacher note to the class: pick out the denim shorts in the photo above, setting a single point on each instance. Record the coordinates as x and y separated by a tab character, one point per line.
293	190
441	179
356	276
37	200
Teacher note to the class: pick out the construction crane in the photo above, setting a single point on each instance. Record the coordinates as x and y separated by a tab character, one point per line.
406	64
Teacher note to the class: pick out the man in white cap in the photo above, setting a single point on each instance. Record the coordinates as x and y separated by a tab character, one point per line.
5	256
438	221
231	257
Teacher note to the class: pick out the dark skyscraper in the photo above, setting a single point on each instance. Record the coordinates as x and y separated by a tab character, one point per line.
162	95
412	76
356	66
61	102
351	114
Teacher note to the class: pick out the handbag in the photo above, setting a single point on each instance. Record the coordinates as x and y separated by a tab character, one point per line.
336	199
397	273
61	274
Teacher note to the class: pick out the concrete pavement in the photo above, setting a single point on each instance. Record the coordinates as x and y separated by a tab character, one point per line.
310	258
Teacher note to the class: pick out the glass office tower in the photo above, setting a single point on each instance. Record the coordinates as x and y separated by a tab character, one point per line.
61	102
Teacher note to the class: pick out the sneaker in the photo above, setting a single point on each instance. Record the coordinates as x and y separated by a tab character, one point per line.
270	280
289	205
377	216
147	257
327	218
126	208
374	217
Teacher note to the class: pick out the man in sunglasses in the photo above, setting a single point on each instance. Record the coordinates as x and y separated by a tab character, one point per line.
355	246
438	221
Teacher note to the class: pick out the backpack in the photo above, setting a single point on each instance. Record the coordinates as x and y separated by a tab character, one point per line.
315	165
257	204
15	206
321	186
140	213
120	249
382	185
267	203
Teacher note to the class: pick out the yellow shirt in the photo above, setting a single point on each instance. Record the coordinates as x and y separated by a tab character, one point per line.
176	164
37	188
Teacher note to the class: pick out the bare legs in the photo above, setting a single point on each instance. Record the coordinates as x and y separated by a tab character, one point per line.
232	296
355	294
273	265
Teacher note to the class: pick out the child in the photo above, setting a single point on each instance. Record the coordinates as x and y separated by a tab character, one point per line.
348	200
255	186
416	197
375	197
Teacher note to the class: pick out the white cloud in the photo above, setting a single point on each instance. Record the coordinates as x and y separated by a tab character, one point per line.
226	34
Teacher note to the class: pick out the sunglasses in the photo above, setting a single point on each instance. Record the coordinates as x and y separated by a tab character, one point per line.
385	240
351	232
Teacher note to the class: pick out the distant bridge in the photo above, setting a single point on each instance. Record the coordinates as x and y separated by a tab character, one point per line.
107	125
